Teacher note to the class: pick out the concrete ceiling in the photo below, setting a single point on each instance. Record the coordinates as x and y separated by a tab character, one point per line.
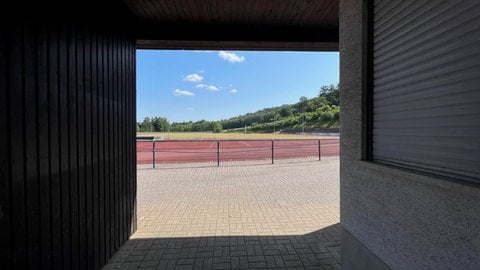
236	24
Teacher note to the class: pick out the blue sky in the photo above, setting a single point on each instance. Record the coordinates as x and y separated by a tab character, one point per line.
213	85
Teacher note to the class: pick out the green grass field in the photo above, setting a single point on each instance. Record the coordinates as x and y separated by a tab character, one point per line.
227	136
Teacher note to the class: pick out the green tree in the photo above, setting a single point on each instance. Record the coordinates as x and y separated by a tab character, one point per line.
331	94
286	111
320	111
217	127
146	125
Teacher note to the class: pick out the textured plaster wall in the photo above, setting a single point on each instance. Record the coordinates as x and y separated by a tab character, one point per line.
409	220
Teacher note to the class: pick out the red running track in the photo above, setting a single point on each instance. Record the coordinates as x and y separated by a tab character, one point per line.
233	150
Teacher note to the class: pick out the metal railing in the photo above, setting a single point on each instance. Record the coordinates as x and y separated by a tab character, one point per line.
185	151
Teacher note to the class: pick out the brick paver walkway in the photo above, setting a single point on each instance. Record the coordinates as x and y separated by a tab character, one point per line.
238	216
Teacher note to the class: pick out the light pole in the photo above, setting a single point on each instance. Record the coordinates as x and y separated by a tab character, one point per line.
303	117
151	122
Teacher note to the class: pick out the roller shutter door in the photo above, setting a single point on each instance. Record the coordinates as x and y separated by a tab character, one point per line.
426	86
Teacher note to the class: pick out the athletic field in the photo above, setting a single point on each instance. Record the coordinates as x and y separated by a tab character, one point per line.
217	148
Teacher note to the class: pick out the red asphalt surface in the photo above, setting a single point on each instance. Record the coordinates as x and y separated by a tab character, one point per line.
233	150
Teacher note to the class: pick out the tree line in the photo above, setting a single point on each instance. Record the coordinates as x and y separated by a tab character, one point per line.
322	111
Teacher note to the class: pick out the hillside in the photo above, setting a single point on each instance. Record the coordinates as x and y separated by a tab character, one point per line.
318	112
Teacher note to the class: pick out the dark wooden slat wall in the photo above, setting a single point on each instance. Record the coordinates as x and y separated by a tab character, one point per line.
67	132
5	154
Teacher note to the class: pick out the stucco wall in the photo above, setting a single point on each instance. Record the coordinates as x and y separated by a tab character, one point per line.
407	219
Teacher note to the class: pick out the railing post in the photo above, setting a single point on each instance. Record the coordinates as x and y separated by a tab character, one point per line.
319	150
153	154
272	152
218	153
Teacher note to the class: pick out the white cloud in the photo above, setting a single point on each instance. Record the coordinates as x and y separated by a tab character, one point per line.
231	57
179	92
208	87
233	91
190	109
193	78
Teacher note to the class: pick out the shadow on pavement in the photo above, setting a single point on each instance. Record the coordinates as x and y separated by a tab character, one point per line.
316	250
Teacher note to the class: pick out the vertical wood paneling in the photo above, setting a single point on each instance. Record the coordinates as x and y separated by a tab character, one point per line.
43	149
106	147
72	142
88	170
30	141
110	151
133	135
123	163
64	147
5	215
82	180
95	152
101	149
116	148
118	133
17	153
67	115
54	145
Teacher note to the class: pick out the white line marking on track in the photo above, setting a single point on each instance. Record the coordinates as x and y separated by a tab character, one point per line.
248	145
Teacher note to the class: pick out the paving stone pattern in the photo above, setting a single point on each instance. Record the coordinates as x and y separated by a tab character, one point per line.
236	216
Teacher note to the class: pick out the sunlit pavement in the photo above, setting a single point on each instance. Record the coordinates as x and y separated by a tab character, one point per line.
237	216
